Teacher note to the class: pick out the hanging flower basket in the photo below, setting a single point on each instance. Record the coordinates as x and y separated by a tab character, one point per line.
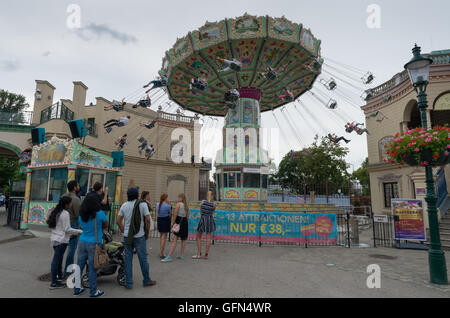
420	147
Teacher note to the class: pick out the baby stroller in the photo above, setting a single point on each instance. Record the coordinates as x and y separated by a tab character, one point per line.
116	253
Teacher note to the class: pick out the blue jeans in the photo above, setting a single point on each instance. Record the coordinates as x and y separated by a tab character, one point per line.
86	252
57	261
140	244
73	243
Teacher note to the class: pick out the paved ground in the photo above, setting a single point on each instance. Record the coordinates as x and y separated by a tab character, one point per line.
234	271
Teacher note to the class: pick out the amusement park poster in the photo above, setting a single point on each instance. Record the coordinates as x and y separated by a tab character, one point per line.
409	222
272	227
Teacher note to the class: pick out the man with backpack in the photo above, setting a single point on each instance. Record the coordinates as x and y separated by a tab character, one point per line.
134	222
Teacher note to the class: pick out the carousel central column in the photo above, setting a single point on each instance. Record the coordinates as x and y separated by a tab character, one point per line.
240	169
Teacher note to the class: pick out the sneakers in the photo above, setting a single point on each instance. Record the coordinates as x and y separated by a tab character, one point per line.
78	291
150	283
57	285
162	257
180	257
97	294
197	257
167	259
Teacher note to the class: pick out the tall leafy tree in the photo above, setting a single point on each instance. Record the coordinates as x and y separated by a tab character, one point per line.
321	163
12	106
9	170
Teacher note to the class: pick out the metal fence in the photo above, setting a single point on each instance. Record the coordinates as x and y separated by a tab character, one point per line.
344	235
57	111
383	231
340	194
16	118
14	213
348	229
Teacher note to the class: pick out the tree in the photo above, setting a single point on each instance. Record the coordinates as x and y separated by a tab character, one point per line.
319	164
363	177
9	170
12	106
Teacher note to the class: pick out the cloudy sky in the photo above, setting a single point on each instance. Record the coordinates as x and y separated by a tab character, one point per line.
120	44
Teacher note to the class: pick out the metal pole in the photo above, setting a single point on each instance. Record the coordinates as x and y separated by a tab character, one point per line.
436	257
348	229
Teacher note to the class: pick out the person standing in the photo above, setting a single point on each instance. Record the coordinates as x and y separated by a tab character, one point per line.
92	219
145	196
164	212
134	222
206	224
73	188
180	217
59	223
100	195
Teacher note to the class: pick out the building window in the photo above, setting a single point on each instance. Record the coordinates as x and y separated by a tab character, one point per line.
48	184
264	181
232	180
91	127
390	192
39	185
251	180
110	182
58	184
82	177
225	180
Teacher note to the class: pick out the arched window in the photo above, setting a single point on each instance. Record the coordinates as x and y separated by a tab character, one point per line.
411	115
440	114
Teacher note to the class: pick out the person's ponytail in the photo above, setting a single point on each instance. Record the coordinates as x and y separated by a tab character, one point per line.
161	200
53	217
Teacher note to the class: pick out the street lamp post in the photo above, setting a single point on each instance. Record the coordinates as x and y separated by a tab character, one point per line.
419	70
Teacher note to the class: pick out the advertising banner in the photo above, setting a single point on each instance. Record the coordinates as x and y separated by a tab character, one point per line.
409	222
270	227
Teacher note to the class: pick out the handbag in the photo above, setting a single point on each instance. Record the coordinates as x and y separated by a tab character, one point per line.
101	258
176	228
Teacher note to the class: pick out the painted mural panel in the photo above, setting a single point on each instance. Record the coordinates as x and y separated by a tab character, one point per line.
39	212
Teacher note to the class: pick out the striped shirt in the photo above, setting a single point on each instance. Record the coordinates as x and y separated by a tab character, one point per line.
207	208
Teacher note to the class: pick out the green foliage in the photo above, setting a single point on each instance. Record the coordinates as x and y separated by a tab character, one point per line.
10	102
11	107
362	175
9	170
322	162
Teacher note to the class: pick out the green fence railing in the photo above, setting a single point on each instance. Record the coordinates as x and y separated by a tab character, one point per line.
57	111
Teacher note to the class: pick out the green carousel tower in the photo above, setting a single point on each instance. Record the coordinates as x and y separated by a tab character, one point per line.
267	63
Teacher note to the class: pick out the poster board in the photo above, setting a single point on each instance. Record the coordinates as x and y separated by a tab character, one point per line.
409	223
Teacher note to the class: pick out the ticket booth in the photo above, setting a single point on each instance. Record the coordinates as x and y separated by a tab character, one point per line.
55	163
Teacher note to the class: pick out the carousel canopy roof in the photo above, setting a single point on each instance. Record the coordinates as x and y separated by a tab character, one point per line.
257	42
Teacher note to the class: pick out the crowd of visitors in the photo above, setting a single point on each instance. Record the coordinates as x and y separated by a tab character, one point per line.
79	227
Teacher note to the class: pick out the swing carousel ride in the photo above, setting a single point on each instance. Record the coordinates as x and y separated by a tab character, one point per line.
239	68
